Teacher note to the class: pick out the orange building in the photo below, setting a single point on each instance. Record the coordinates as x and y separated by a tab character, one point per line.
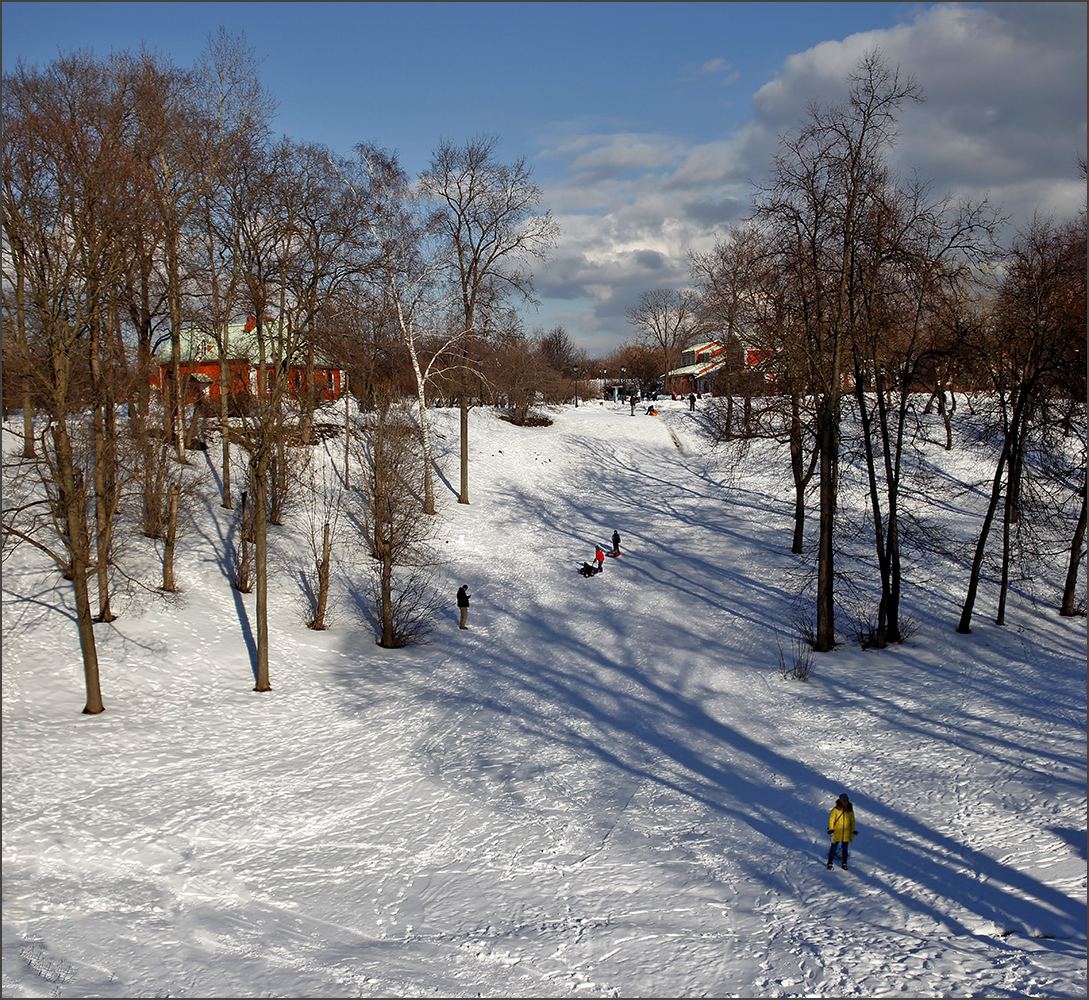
200	365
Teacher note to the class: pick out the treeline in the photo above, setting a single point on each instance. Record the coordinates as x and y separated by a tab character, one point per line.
851	288
144	201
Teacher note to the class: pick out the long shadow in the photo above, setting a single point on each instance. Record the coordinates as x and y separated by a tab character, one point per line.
227	558
627	723
48	605
647	732
641	726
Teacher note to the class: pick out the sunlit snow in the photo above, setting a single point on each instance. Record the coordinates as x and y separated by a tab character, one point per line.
603	788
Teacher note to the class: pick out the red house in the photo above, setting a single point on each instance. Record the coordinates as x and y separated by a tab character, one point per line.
200	365
699	365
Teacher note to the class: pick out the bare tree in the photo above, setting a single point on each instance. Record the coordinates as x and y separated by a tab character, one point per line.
325	261
406	266
262	233
396	527
323	500
518	376
827	178
76	205
737	301
558	351
235	112
915	270
1035	344
19	356
491	233
668	320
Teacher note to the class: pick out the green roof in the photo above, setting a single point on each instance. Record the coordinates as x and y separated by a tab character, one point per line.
199	344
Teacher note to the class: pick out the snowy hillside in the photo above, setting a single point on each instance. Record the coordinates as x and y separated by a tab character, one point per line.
603	788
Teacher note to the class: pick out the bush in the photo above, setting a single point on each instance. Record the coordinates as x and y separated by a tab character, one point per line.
798	668
526	419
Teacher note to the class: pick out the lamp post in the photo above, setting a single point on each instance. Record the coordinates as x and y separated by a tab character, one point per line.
624	379
576	369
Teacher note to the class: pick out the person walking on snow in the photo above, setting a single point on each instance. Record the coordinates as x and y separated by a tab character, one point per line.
841	828
599	558
463	603
616	543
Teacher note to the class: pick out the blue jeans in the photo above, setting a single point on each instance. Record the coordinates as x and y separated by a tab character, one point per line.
832	850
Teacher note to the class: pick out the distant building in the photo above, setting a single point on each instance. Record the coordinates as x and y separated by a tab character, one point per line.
200	366
702	364
699	365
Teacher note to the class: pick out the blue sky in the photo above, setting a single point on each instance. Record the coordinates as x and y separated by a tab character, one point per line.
643	122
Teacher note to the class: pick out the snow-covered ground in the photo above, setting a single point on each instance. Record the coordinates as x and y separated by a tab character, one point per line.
604	787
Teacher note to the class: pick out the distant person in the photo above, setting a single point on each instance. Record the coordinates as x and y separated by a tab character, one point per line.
463	603
633	401
841	828
691	400
599	558
616	543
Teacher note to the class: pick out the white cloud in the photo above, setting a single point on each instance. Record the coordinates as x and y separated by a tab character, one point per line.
1004	117
720	68
1005	99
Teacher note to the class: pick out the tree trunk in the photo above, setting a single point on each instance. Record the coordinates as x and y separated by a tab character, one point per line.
104	476
225	388
828	431
29	444
947	417
425	442
73	510
800	473
386	602
1004	583
878	639
104	502
965	624
463	496
323	580
174	300
259	482
171	537
242	579
346	396
1067	609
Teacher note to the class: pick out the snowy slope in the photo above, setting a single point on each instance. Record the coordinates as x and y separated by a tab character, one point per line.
603	788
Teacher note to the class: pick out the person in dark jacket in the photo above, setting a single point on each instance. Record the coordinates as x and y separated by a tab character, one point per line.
616	543
463	603
841	828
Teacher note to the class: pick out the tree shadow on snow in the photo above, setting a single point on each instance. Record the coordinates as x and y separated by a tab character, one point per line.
598	720
227	558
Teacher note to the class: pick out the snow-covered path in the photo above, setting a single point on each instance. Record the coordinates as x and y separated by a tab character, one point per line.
603	788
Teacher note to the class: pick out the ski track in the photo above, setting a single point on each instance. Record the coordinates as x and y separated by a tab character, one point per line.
603	788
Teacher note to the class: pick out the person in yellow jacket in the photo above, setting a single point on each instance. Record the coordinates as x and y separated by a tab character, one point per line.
841	828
